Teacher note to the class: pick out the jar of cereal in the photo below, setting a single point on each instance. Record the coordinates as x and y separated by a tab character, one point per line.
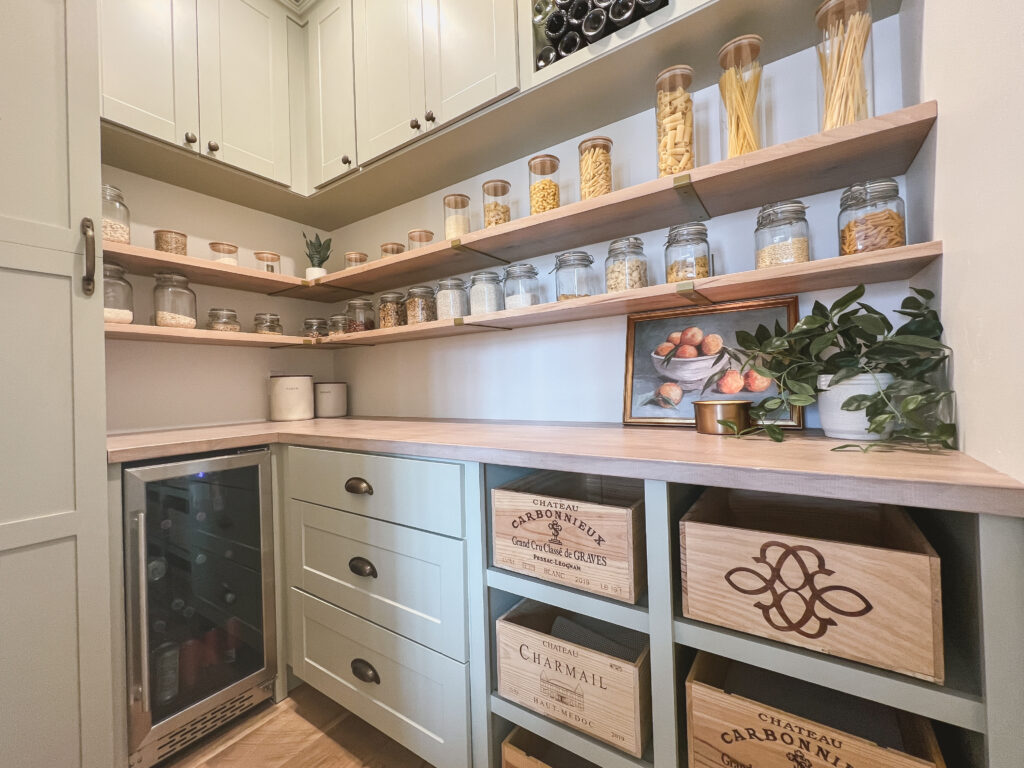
391	310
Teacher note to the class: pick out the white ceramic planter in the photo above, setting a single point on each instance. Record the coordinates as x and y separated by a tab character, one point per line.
848	425
312	273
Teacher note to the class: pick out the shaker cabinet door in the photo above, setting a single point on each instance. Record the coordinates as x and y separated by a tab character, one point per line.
243	85
469	55
149	71
332	107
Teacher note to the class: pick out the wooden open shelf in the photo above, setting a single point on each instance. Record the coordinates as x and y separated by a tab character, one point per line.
202	336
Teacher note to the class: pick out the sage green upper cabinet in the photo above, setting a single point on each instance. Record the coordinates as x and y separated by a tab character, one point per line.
149	71
243	85
332	100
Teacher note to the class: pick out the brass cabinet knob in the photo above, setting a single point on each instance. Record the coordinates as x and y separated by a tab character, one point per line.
414	124
430	116
213	146
190	138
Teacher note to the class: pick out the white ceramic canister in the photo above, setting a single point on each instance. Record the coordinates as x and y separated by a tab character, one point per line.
848	425
331	399
291	398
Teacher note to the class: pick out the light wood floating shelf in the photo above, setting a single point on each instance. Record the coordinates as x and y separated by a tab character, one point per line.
202	336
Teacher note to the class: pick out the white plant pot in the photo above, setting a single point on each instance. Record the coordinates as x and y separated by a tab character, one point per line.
312	273
848	425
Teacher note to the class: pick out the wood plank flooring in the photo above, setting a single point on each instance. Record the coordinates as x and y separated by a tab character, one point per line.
307	730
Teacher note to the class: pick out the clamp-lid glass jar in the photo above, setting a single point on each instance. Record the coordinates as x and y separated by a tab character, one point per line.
575	276
391	310
337	324
456	216
595	167
420	306
782	235
626	265
872	216
117	220
739	85
174	303
361	316
117	295
496	202
268	322
674	117
223	320
451	298
544	192
687	253
844	58
485	293
522	289
315	327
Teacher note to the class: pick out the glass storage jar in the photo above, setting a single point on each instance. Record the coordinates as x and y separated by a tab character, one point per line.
314	327
456	216
687	253
419	238
575	276
781	236
117	219
544	195
361	316
595	167
225	253
496	202
626	265
740	85
391	249
522	289
170	241
451	298
268	261
223	320
337	324
419	305
485	293
872	216
355	258
674	117
117	295
844	59
391	310
174	303
268	322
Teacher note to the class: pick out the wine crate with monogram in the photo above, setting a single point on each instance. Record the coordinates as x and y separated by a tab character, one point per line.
580	531
742	716
849	579
592	676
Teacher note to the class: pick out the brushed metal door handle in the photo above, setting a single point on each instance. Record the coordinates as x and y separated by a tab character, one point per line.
364	670
360	566
89	278
359	486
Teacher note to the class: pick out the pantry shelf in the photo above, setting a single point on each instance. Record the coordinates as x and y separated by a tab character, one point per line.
201	336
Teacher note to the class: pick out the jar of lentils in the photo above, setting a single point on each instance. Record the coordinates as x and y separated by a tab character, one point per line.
575	276
361	316
337	325
872	216
687	253
223	320
391	310
521	286
314	327
419	305
782	235
485	294
626	265
452	299
268	322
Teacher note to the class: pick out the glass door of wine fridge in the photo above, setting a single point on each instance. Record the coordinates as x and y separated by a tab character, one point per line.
199	584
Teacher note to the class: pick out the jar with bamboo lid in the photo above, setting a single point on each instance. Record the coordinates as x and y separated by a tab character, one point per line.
224	253
497	208
872	216
355	259
419	238
544	189
391	249
844	59
456	216
743	120
595	167
268	261
674	117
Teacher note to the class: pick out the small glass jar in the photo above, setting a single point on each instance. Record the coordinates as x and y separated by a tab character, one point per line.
626	265
117	219
117	295
844	58
451	298
268	322
544	193
687	253
522	289
337	325
355	258
742	113
268	261
361	316
456	216
391	249
674	117
782	235
170	241
419	238
224	253
391	310
485	293
315	327
595	167
174	303
872	217
496	202
223	320
575	276
419	305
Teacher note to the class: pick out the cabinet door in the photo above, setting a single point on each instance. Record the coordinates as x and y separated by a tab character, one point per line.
56	680
332	90
243	85
149	70
389	74
469	55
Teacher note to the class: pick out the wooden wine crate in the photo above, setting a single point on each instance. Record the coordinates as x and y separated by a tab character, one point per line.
547	662
523	749
738	715
581	531
849	579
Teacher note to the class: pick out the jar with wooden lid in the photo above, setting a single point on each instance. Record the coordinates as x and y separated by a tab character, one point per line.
497	208
337	324
544	192
355	259
314	327
485	293
268	261
391	310
743	121
687	253
170	241
419	305
595	167
451	298
844	60
419	238
456	216
782	235
174	303
361	316
224	253
268	322
117	295
626	265
674	118
117	219
575	276
872	216
391	249
223	320
522	289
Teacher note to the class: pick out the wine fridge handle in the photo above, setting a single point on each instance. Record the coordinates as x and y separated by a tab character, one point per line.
143	649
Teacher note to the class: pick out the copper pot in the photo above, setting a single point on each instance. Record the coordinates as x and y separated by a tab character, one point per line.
708	412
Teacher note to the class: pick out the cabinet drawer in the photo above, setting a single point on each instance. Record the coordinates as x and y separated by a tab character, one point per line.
414	582
420	698
421	494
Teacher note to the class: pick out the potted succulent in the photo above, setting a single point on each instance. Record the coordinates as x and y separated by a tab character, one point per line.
871	381
318	253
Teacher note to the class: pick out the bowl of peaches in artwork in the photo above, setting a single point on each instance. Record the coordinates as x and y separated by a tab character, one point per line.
688	357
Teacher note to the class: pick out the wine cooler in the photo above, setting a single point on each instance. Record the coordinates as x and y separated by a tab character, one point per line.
199	593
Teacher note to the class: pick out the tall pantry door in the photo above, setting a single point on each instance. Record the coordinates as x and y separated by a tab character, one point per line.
56	683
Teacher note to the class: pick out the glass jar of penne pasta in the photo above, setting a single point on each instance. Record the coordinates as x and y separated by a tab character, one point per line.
674	116
844	57
872	216
740	84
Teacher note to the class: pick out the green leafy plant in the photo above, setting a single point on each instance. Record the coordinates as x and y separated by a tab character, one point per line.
317	252
847	339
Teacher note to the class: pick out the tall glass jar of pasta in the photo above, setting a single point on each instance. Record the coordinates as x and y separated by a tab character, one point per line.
844	58
740	85
674	116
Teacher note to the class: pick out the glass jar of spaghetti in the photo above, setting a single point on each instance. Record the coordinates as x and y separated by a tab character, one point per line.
844	58
872	216
674	116
740	84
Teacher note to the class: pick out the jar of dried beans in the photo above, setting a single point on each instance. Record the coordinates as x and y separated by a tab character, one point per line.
626	265
674	117
116	217
174	303
314	327
496	202
391	310
844	58
595	167
337	324
361	316
117	295
268	322
781	236
544	192
687	253
740	85
419	305
872	216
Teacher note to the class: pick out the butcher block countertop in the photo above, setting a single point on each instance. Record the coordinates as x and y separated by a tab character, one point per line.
803	464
